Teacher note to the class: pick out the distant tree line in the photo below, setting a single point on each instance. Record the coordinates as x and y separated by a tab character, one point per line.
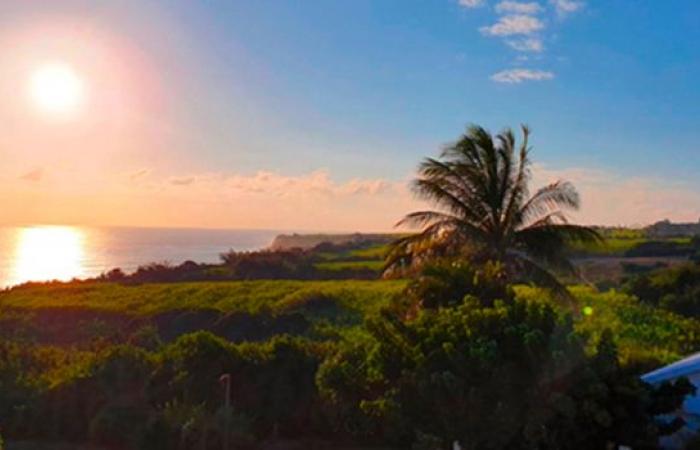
294	264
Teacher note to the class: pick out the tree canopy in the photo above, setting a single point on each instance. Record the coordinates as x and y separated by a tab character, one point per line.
484	210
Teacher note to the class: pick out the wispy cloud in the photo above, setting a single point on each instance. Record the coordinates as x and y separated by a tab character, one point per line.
514	25
316	182
566	7
471	3
517	76
634	200
531	44
182	181
33	175
138	174
265	199
518	7
317	200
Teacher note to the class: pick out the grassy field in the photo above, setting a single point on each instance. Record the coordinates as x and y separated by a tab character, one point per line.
642	332
640	329
236	296
370	258
337	266
618	246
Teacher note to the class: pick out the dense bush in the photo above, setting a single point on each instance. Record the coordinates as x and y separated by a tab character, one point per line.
123	397
509	376
447	283
290	264
675	289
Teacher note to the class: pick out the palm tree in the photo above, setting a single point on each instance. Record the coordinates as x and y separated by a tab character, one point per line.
485	212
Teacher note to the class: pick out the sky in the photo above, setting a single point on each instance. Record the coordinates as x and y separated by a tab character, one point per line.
314	115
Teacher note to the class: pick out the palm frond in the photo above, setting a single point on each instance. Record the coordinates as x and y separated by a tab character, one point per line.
555	196
568	233
512	216
442	193
434	240
549	244
423	218
539	276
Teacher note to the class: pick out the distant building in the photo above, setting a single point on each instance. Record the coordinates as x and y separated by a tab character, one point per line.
665	229
690	411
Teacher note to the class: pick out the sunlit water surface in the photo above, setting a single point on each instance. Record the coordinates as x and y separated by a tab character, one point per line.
42	253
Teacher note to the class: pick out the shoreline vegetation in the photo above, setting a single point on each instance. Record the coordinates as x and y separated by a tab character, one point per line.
496	324
624	252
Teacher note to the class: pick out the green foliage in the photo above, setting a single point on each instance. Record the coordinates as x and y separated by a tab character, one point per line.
273	382
117	426
450	282
236	296
368	259
633	242
674	289
608	247
420	380
644	335
267	264
436	377
372	252
337	266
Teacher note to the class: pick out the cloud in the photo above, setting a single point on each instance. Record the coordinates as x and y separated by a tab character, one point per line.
609	198
141	173
315	200
513	25
531	44
366	187
269	199
471	3
516	76
521	25
565	7
518	7
318	182
33	175
182	181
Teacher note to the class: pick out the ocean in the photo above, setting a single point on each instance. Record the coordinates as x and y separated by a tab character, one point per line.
43	253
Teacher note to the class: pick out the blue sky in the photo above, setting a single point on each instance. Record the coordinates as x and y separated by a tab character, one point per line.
358	92
404	77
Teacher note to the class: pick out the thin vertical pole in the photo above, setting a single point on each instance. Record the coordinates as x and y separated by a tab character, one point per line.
227	407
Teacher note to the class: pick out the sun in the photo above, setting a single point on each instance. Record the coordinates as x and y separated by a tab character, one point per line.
57	89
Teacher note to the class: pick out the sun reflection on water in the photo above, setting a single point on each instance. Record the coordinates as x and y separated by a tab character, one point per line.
48	253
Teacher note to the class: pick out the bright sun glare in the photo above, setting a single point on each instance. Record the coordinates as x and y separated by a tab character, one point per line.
48	253
56	88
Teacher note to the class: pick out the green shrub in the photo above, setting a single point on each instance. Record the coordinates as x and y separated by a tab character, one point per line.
448	283
119	426
272	381
508	376
676	289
